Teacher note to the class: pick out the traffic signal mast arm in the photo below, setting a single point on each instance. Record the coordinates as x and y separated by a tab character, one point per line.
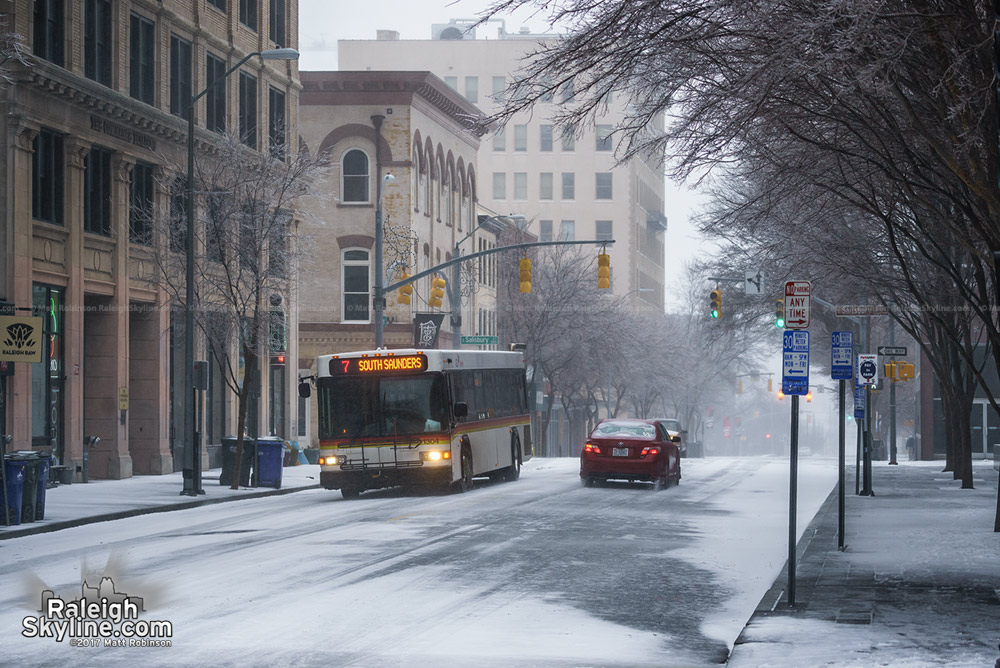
489	251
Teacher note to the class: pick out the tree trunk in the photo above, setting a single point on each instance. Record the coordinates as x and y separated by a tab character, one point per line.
243	402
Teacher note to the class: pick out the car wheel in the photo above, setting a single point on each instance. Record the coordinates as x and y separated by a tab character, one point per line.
350	492
587	481
465	482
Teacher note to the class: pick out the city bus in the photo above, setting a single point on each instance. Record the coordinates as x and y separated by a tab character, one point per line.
420	417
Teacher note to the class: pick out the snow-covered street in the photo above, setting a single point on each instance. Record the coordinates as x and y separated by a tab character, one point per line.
537	572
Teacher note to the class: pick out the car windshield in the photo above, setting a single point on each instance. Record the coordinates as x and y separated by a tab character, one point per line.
625	429
672	425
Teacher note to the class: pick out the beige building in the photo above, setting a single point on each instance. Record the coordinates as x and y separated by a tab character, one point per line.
95	126
414	127
566	185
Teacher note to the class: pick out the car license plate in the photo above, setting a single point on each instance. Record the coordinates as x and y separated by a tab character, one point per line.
619	452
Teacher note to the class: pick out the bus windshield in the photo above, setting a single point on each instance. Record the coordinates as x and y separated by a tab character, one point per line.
350	407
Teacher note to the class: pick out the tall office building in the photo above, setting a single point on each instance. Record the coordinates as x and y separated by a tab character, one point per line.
565	183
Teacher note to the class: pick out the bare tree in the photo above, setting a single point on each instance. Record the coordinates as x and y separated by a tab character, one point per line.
246	246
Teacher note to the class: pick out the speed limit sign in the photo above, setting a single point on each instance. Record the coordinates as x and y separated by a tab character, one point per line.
867	369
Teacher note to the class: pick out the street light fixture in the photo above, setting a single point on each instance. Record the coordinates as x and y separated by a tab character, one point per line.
192	484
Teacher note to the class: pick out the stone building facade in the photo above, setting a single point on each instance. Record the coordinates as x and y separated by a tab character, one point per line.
95	124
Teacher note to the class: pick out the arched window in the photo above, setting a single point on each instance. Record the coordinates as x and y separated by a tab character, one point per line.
355	285
354	177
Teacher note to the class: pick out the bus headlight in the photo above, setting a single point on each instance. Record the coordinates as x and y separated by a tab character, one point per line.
435	455
328	461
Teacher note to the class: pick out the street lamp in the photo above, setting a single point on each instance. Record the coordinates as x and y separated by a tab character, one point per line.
378	297
192	485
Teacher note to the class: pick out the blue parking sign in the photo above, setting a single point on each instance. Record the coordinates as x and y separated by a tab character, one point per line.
795	362
842	355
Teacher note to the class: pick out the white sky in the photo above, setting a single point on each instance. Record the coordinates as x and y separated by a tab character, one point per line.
322	23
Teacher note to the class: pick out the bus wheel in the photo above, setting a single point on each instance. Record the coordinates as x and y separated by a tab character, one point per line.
465	482
514	470
350	492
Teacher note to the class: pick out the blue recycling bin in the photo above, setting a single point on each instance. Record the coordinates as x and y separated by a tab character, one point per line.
14	470
270	458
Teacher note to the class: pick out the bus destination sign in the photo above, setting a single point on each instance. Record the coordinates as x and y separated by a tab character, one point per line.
378	365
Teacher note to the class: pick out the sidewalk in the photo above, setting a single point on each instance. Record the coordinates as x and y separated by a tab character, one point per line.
103	500
917	585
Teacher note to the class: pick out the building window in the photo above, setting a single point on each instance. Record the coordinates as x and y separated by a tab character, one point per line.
215	98
276	124
277	248
218	4
500	140
605	230
472	89
217	226
97	41
569	138
97	192
568	185
142	69
568	92
354	170
545	230
248	13
603	186
567	230
546	134
248	109
47	178
520	186
499	85
499	185
603	137
180	77
520	137
140	211
277	23
545	185
47	376
50	28
356	297
452	82
178	215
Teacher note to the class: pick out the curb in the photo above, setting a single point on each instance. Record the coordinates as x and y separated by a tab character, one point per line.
147	510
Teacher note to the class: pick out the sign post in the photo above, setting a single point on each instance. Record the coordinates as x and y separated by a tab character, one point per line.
842	370
867	378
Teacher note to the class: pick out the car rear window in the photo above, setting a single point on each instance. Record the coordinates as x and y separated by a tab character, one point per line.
626	429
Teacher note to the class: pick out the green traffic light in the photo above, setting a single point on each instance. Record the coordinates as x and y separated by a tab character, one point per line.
780	322
714	313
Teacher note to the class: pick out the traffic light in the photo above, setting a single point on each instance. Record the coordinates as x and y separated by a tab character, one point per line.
525	275
809	395
716	306
437	292
404	292
769	386
779	313
603	271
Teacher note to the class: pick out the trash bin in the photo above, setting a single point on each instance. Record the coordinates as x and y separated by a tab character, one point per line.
44	466
270	454
14	470
29	484
229	460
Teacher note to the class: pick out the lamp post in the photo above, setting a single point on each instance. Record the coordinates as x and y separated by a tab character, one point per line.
192	483
378	293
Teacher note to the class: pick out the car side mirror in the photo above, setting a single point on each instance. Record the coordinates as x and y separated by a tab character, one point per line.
675	439
304	390
461	409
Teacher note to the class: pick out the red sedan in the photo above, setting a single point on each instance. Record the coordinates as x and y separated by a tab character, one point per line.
630	449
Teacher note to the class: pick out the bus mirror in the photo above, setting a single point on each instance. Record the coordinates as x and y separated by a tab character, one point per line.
461	409
304	390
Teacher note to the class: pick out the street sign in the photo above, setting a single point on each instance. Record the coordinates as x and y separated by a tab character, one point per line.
867	369
859	402
795	363
797	298
861	310
753	282
892	351
480	340
842	356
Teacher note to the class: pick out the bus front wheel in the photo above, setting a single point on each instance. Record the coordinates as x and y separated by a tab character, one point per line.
465	482
514	470
350	492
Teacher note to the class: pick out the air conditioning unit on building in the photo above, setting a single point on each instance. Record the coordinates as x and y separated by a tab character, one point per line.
455	29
